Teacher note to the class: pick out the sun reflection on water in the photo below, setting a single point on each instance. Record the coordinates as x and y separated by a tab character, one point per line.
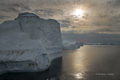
79	76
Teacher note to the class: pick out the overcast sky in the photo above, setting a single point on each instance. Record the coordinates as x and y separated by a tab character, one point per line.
100	16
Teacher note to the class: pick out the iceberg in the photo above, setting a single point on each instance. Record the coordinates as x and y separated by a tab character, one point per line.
71	44
29	43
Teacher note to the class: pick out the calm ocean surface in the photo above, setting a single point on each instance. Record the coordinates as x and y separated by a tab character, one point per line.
90	62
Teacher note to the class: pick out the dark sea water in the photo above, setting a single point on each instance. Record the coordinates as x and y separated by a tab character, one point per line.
90	62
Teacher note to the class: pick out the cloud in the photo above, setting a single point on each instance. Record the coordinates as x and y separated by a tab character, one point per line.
4	10
114	3
98	13
65	23
12	6
48	12
117	3
2	16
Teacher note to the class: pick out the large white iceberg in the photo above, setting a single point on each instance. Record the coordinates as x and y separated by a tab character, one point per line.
29	43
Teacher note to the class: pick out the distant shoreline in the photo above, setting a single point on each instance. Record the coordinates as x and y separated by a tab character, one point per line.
101	43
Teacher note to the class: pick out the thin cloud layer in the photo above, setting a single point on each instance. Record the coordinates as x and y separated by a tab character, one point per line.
101	16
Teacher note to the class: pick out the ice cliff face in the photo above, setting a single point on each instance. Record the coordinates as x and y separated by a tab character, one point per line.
29	43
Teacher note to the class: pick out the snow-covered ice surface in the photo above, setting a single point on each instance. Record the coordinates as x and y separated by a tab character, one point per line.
29	43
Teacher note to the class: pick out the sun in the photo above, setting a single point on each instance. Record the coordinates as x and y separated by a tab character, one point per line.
79	13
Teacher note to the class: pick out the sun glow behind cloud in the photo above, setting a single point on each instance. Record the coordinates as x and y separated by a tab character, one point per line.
78	13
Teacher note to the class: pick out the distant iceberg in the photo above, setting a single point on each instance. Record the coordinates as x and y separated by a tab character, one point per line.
71	44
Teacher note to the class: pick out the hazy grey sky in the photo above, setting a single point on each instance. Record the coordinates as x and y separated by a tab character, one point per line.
100	16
